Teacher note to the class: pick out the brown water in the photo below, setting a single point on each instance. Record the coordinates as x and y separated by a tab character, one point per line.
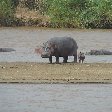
55	98
24	40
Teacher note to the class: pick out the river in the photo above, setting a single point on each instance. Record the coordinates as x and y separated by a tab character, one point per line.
56	98
24	40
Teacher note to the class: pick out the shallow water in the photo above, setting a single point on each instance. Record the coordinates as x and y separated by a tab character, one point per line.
24	41
56	98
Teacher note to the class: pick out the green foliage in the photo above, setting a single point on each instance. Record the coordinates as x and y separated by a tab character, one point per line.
64	13
98	14
81	13
15	3
6	9
35	5
30	4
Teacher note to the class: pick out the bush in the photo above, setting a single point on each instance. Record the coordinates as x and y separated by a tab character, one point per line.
81	13
6	9
63	13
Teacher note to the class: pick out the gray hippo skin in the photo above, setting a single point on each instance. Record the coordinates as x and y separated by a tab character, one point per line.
99	52
60	47
6	49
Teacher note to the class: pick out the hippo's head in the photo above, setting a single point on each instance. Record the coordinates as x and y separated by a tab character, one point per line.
48	50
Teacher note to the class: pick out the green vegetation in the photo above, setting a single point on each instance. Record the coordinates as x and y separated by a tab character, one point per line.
63	13
81	13
7	8
6	11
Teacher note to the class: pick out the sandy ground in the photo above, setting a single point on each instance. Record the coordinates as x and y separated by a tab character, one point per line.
22	72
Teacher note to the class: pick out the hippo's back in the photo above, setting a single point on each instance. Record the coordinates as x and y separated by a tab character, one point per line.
64	44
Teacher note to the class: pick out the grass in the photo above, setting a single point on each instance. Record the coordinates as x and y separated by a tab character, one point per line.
59	13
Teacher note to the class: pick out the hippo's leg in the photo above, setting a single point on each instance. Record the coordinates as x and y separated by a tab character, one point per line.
75	58
57	59
65	59
50	59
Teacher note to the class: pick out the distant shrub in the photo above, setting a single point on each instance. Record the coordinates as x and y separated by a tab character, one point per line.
6	9
81	13
63	13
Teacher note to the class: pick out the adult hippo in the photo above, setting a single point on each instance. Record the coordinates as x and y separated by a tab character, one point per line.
59	47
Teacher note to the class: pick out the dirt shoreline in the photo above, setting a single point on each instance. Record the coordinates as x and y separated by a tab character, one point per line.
30	72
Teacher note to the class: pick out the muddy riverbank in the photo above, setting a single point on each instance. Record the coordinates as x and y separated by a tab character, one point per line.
55	73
